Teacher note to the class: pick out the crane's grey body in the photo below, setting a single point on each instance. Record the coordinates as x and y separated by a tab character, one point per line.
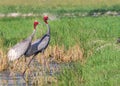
20	48
39	45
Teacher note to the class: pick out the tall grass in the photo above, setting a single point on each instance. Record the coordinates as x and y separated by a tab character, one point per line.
95	35
65	31
102	68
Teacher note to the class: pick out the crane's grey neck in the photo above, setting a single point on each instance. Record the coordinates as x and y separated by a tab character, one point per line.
48	32
32	35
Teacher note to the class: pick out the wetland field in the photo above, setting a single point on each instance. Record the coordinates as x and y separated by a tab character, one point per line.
82	50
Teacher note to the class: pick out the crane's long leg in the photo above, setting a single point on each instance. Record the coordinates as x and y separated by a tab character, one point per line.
28	65
44	66
43	61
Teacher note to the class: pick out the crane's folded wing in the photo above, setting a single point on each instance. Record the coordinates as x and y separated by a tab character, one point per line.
18	50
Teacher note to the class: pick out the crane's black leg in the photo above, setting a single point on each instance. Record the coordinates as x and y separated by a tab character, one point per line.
28	66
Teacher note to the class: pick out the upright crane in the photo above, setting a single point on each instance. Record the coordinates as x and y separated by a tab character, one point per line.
20	48
39	45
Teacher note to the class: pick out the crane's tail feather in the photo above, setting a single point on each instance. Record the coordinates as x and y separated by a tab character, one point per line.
12	55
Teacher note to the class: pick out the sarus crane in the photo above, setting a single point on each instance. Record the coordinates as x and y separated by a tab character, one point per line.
39	45
20	48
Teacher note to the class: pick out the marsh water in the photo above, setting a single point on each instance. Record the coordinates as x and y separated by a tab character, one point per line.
16	79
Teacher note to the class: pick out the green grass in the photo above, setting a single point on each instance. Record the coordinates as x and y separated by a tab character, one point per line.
103	68
95	34
55	6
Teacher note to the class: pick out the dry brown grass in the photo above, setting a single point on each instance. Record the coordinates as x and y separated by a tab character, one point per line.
56	53
59	54
52	53
44	81
3	61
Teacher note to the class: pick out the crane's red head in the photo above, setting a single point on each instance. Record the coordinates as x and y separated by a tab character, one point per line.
35	24
45	19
